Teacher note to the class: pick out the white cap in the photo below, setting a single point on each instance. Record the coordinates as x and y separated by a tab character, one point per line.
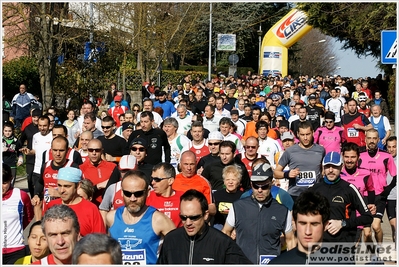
215	135
127	162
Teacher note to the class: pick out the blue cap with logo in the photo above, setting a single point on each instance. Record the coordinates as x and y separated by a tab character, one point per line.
333	158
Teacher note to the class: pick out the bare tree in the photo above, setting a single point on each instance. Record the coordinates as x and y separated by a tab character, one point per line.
314	55
40	29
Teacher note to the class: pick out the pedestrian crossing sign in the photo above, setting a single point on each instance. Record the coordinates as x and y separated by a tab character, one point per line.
389	47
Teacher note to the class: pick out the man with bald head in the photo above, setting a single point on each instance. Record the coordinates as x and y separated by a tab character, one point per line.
189	179
101	172
250	154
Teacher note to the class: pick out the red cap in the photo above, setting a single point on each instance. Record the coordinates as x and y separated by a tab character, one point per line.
117	98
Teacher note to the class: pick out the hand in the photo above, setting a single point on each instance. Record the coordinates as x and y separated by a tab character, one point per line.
199	171
108	157
372	208
233	234
102	185
35	200
25	150
356	126
53	192
77	134
334	226
294	173
20	161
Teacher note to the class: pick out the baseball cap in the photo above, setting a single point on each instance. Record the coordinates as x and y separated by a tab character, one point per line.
139	141
70	174
275	96
284	123
127	125
215	135
329	115
234	111
262	93
127	162
262	172
312	96
287	135
117	98
36	113
216	89
333	158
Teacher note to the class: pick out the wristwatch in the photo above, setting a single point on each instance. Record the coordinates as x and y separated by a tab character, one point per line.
343	223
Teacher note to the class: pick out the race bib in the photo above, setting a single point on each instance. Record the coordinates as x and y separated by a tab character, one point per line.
46	197
134	257
265	259
306	178
352	132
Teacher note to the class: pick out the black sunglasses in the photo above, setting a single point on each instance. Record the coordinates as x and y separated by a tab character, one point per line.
192	218
214	144
106	127
136	194
263	187
157	179
141	149
95	149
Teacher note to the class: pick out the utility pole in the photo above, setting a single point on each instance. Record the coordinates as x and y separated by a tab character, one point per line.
210	43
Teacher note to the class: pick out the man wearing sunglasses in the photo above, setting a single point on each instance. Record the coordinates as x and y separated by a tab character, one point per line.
250	154
329	136
249	216
163	197
158	145
114	146
138	227
214	139
101	172
198	242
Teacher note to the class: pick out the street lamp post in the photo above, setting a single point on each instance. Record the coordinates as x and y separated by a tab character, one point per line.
260	47
210	42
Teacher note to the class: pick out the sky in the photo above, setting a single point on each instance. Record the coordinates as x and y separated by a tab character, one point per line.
352	66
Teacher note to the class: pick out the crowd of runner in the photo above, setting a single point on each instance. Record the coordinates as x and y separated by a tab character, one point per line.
204	163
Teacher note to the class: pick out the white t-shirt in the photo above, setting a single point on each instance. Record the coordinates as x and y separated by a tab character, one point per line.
157	118
178	145
40	144
80	120
184	124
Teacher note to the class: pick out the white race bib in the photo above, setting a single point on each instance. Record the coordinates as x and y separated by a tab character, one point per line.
352	132
306	178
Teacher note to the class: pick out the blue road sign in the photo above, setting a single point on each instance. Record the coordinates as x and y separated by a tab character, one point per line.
389	47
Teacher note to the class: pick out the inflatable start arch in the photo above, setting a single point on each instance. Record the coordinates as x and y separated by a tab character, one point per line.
284	34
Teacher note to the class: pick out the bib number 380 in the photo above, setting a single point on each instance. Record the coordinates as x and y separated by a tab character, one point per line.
306	178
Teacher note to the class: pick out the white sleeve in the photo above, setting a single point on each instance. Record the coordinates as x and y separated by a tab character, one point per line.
106	203
288	222
231	218
387	125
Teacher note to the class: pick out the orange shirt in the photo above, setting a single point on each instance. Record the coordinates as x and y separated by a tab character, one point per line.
250	130
196	182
